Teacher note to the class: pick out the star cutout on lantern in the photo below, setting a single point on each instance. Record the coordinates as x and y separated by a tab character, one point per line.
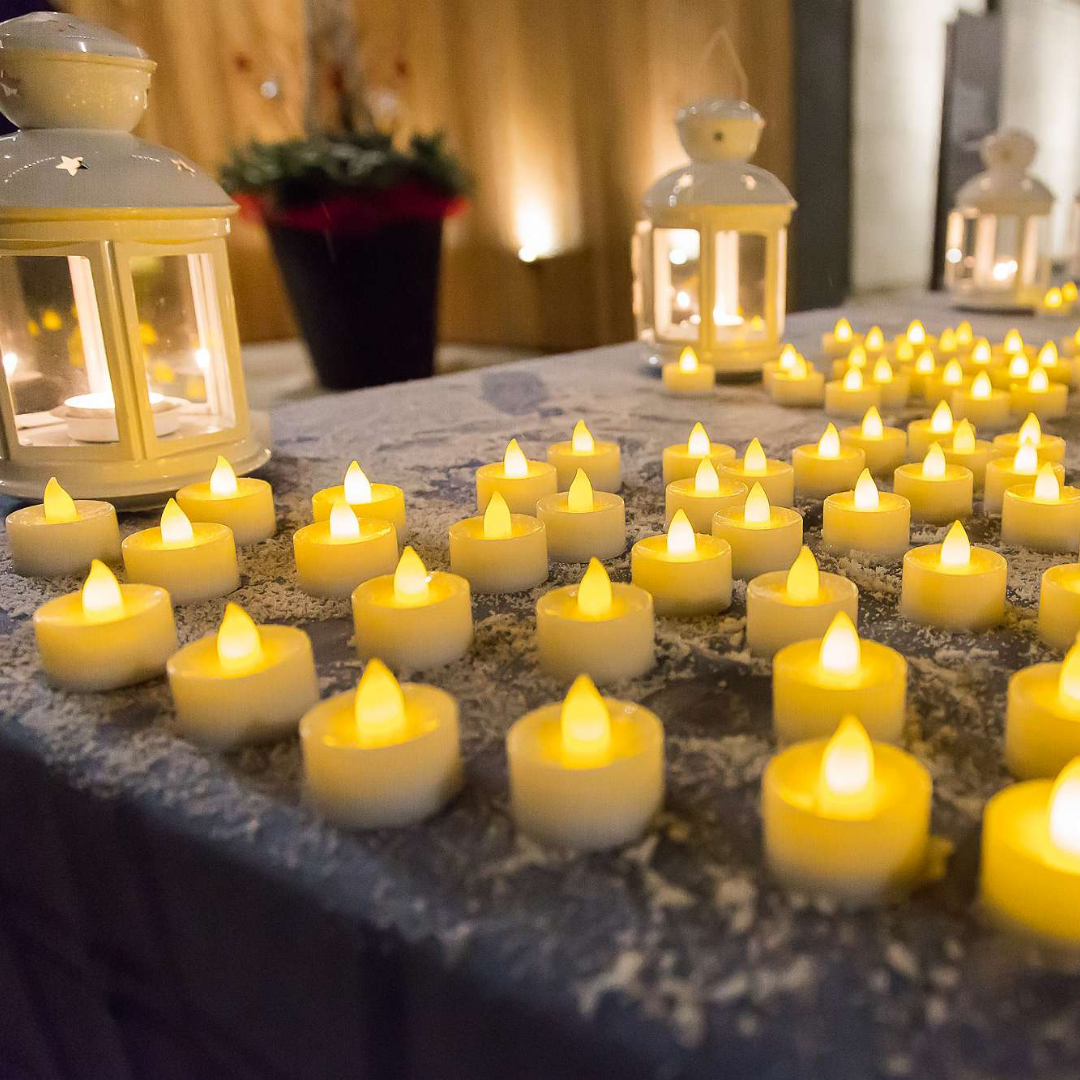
182	166
71	165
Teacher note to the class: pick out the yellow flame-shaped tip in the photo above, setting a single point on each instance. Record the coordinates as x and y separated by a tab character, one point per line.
981	353
1048	355
1013	342
800	369
981	387
905	351
59	505
804	579
497	523
1053	298
101	596
847	765
1047	488
582	441
925	364
1039	381
916	334
933	466
953	375
754	460
882	372
963	441
787	358
239	644
175	524
941	420
964	334
956	547
1019	368
410	578
1063	820
379	707
857	358
1030	433
579	499
757	510
1026	460
515	463
681	539
343	522
853	379
829	444
222	479
1069	679
698	444
872	427
357	485
867	496
840	651
947	339
688	360
594	592
875	339
842	330
1069	292
706	479
585	725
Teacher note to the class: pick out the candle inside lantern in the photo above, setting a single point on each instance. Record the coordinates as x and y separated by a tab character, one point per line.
777	478
582	523
1003	473
383	501
867	519
499	552
687	376
851	395
883	446
965	449
938	492
980	403
699	498
937	429
763	537
334	556
245	504
1043	516
826	467
1040	396
1059	605
1047	447
521	482
600	461
1042	719
681	460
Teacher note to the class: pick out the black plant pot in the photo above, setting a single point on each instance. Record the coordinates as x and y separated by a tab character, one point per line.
366	303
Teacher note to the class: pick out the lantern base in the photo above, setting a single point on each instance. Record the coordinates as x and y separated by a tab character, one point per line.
747	360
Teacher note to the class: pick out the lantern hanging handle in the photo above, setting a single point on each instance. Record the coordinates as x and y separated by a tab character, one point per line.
721	37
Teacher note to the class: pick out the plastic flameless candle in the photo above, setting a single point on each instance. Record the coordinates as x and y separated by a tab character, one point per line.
954	585
1003	473
586	773
841	341
702	495
334	556
777	478
1057	370
938	428
918	337
866	519
981	404
1059	605
847	819
383	501
384	755
874	342
62	535
903	353
1042	719
681	460
857	358
827	466
1048	447
245	504
1047	400
784	363
938	492
1011	374
763	537
686	571
687	376
1043	516
521	482
981	357
582	523
243	684
965	337
413	619
967	450
943	386
894	386
799	386
193	561
1011	345
500	552
105	635
922	374
600	461
785	606
948	345
852	395
884	447
602	628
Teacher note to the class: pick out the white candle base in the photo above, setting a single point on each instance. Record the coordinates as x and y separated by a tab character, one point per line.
521	493
50	550
757	549
700	382
1049	404
249	513
920	436
329	567
778	480
1000	476
1042	732
509	564
201	569
700	507
602	465
986	414
1059	605
574	537
817	477
884	532
976	460
797	393
684	585
840	401
1041	526
387	503
680	464
970	597
1049	448
774	620
936	500
882	455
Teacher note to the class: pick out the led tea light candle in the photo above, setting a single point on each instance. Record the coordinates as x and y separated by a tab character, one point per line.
1003	473
841	341
1070	292
582	524
1070	346
384	756
762	537
1057	370
922	374
938	492
1048	447
586	773
938	428
980	358
866	519
874	342
827	466
846	818
1011	345
918	337
1059	605
790	605
334	556
500	552
857	358
681	460
777	478
785	362
598	627
799	386
700	497
980	403
965	337
244	684
851	396
245	504
967	450
687	376
903	352
817	683
953	585
942	387
884	447
105	635
1011	374
383	501
521	482
600	461
686	571
1030	873
193	561
1040	396
1043	516
1042	718
1052	302
62	535
947	343
894	386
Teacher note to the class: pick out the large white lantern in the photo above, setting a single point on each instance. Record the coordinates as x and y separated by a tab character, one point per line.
710	252
997	236
121	362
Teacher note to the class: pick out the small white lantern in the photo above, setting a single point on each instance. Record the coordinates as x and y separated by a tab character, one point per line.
710	253
121	363
997	237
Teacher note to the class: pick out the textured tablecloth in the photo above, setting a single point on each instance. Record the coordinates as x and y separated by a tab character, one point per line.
169	912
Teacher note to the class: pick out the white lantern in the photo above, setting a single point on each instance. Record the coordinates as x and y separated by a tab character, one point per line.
997	236
710	253
121	363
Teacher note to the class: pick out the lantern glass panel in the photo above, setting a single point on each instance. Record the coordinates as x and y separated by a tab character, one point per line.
739	304
677	276
960	246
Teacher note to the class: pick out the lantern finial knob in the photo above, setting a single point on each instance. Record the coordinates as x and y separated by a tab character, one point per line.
719	129
1009	149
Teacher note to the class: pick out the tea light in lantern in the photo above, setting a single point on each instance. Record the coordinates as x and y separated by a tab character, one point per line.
699	498
777	478
884	447
1040	396
922	374
105	635
799	386
1042	719
193	561
851	396
686	572
866	519
602	628
980	403
874	342
827	466
1048	447
1043	516
687	376
244	684
762	537
600	461
965	449
246	504
953	585
790	605
938	492
411	618
521	482
582	524
61	535
384	756
857	358
586	773
894	386
1059	605
1003	473
681	460
383	501
841	341
937	429
499	552
334	556
1030	872
847	818
1057	370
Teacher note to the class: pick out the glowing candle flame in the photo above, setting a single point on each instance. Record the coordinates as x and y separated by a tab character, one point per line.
947	340
582	441
688	360
840	651
882	372
981	353
706	480
1026	460
594	592
1047	488
202	359
853	379
1063	819
905	352
1048	355
933	466
222	479
585	725
829	444
956	548
915	333
515	463
981	388
800	369
842	330
175	525
1053	299
239	644
754	460
787	358
100	594
941	420
953	375
857	358
59	505
497	523
579	499
1039	381
1069	679
1069	292
872	427
379	708
847	767
698	444
680	535
1019	367
757	510
804	578
925	364
357	485
875	339
411	579
1030	433
344	525
867	496
964	333
964	440
1013	342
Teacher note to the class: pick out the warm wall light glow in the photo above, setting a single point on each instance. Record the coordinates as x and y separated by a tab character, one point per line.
875	339
515	463
840	652
882	371
357	485
1063	820
1019	367
698	444
101	596
1030	433
379	708
857	358
1038	381
11	362
916	334
497	523
981	353
867	496
872	427
829	444
59	505
941	420
953	375
706	480
933	466
1047	488
847	768
925	364
239	645
757	510
582	442
175	525
1013	342
222	479
947	340
411	580
1026	460
1048	355
804	579
964	333
579	499
964	440
535	228
344	525
853	379
680	535
688	360
754	460
981	387
956	548
842	330
787	358
594	592
585	725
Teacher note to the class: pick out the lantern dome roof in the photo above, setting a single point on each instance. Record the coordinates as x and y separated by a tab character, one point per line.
1006	187
56	32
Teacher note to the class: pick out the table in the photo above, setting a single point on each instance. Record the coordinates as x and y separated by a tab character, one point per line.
169	912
